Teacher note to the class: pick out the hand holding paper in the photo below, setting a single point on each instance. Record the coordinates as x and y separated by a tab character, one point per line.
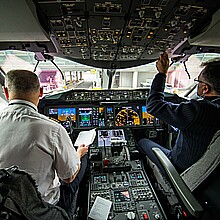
82	150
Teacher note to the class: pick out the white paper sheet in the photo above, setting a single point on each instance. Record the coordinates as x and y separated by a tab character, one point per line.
85	137
100	209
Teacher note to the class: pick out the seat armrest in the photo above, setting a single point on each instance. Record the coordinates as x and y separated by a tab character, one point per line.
185	195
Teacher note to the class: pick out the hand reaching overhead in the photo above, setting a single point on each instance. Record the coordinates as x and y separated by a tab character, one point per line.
163	63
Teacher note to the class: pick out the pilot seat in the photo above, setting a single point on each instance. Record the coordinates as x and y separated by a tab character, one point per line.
195	193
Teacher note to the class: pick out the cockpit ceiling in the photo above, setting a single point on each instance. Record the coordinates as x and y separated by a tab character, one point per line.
111	34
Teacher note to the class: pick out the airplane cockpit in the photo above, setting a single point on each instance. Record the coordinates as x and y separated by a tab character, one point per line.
120	118
110	48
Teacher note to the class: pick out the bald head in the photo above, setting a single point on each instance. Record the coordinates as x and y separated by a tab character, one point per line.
22	84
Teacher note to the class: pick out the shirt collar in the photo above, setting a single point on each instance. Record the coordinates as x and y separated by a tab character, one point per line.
24	102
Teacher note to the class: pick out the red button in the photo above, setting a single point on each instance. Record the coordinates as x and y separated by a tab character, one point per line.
145	216
106	162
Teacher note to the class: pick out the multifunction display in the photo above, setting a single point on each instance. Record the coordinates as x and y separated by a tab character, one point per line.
127	116
107	137
65	115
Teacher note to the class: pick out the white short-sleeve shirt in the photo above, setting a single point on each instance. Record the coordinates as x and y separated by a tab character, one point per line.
37	145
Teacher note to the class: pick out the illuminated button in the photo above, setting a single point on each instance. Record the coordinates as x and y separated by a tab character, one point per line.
145	216
157	216
106	162
184	214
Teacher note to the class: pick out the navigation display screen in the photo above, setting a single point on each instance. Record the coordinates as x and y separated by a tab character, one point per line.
148	119
91	116
127	116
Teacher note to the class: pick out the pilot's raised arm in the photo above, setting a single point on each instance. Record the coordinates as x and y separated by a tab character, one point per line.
193	119
166	111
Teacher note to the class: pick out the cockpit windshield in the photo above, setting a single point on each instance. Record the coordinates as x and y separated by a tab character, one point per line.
63	74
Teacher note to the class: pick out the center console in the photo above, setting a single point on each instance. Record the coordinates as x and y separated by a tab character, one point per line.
118	175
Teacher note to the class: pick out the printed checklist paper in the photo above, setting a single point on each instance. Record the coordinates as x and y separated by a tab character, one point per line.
100	209
85	137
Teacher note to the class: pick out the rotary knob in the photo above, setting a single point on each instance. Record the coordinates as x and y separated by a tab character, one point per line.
131	215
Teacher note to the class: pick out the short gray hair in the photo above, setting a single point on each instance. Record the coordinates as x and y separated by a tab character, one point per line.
211	73
22	81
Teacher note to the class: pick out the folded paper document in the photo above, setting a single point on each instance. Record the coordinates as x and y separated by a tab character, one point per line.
85	137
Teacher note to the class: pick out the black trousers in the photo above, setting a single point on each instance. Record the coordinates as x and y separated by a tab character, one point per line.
68	192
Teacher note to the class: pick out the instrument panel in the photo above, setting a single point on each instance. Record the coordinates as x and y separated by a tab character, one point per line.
84	116
105	108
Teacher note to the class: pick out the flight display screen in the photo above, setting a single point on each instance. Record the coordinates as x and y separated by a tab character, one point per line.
91	116
148	119
63	114
85	117
127	116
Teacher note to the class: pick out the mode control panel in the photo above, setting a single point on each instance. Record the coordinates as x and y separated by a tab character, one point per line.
107	95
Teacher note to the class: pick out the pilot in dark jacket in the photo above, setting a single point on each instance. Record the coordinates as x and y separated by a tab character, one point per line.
196	120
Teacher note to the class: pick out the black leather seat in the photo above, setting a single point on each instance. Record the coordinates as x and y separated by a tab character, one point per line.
197	188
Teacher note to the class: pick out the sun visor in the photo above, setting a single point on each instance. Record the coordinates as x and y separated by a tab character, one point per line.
211	36
19	22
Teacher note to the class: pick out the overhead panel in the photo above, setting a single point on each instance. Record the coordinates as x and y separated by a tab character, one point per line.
117	34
